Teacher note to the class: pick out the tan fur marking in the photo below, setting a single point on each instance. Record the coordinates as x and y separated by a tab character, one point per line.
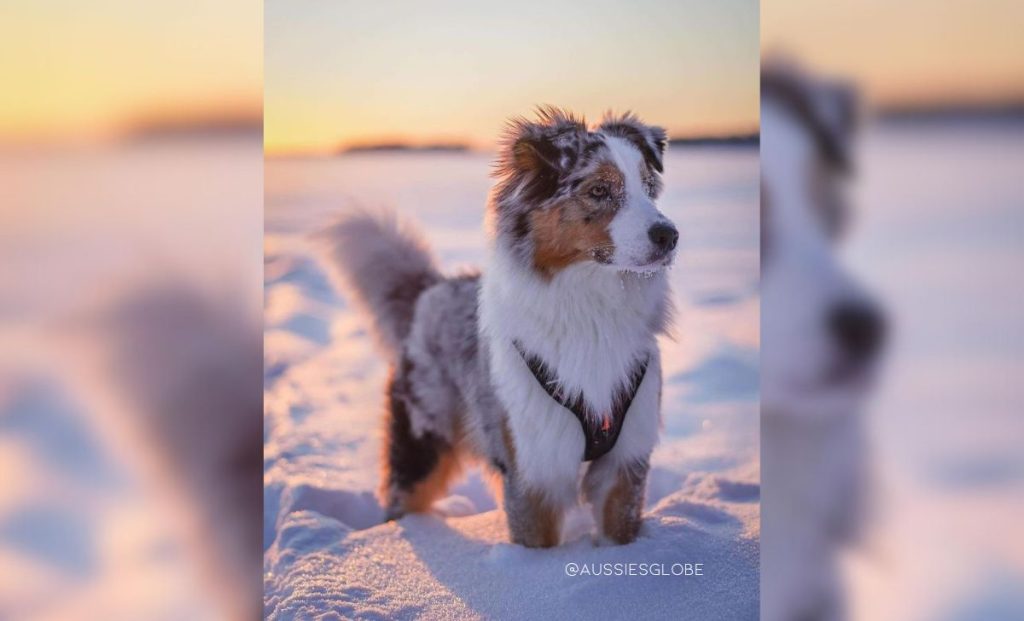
434	486
562	236
510	446
571	230
540	525
526	156
496	479
547	522
622	508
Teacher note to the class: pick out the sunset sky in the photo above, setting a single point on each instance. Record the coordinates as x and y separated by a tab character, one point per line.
84	71
908	51
342	73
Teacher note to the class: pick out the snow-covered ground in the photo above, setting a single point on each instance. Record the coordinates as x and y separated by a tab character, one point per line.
327	554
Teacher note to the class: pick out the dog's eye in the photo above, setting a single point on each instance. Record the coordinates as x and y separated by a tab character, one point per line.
598	192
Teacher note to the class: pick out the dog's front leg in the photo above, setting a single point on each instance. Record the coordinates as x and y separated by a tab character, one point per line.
616	494
534	519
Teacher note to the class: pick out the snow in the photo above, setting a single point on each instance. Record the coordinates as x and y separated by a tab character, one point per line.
426	566
327	554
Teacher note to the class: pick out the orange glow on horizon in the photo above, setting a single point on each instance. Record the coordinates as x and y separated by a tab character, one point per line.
92	72
914	52
362	139
290	131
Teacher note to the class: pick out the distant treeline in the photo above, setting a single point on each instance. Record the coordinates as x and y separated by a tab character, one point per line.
735	140
153	130
392	147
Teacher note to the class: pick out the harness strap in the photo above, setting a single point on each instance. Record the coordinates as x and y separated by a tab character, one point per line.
600	432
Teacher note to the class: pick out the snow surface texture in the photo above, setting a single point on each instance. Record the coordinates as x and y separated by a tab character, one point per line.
327	554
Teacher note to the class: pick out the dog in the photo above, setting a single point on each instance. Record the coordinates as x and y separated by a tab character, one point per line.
822	334
545	367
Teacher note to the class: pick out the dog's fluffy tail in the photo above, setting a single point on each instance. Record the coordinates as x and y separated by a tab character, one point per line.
384	265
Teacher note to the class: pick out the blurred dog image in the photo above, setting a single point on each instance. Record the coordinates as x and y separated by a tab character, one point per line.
822	335
197	413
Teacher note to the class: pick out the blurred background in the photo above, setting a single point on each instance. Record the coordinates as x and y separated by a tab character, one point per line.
937	234
130	348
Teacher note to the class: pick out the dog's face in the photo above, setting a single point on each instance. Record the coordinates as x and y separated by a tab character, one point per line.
568	195
821	331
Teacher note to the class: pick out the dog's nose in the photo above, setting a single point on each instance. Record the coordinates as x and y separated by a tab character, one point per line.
858	327
664	236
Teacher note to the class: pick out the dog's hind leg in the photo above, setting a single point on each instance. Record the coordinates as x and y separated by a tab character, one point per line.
417	467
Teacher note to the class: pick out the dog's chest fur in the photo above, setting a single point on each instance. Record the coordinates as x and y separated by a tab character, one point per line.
590	325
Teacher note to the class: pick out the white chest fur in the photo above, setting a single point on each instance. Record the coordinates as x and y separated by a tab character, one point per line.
591	324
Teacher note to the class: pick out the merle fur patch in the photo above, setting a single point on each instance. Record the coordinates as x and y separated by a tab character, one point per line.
650	141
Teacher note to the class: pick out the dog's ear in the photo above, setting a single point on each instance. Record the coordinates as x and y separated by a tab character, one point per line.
650	140
829	110
536	154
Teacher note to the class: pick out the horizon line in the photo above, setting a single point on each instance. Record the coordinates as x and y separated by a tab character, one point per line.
468	146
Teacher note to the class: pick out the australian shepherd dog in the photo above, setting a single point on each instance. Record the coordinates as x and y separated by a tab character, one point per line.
545	367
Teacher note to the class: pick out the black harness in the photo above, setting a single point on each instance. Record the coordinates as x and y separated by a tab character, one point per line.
599	438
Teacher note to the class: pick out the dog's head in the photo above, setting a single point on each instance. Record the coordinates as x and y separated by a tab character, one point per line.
821	330
568	194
